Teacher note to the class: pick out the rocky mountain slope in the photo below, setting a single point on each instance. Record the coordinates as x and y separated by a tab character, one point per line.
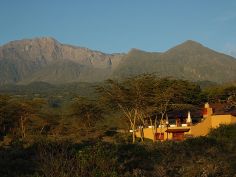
45	59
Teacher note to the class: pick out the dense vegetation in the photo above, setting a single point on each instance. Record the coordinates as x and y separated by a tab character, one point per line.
203	156
48	131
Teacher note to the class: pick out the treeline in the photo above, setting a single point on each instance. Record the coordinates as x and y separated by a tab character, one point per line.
134	101
225	94
45	89
26	119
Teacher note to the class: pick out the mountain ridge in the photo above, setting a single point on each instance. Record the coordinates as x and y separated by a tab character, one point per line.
45	59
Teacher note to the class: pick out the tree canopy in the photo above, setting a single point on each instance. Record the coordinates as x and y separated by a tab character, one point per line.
86	111
146	95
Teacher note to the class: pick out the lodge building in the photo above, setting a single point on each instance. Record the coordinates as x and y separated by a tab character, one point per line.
179	131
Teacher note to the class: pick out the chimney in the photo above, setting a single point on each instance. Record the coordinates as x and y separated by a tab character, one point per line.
207	111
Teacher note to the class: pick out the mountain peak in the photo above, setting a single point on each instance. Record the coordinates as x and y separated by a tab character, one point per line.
43	41
135	50
189	46
46	39
191	43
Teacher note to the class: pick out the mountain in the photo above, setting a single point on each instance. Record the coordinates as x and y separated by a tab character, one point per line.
189	60
47	60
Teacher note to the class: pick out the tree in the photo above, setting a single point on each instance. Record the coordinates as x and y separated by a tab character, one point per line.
146	96
170	95
225	94
131	96
15	115
87	111
173	94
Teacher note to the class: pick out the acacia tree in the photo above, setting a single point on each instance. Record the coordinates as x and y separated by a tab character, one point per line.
131	96
16	114
173	94
146	96
88	112
12	118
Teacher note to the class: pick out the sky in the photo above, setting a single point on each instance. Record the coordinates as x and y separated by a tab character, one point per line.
114	26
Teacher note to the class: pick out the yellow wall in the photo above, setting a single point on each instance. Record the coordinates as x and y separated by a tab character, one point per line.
221	119
202	128
148	133
214	121
233	119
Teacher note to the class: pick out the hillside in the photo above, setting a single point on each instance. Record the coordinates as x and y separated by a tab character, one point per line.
189	60
47	60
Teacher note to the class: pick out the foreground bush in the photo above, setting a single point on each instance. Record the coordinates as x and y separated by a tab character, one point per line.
61	159
195	157
212	156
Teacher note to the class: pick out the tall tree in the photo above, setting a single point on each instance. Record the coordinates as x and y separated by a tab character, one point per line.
172	95
131	96
15	115
88	112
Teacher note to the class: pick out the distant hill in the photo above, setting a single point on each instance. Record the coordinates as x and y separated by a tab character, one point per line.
189	60
47	60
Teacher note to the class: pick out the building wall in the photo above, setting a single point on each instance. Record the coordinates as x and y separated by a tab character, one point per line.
148	133
202	128
213	121
233	119
221	119
163	130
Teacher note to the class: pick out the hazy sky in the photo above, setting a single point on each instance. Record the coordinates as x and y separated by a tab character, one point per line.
119	25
